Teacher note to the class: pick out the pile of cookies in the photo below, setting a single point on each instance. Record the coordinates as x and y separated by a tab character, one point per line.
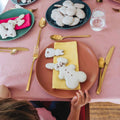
68	14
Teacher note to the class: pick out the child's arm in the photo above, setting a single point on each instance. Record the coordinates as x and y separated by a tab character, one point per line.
4	92
76	103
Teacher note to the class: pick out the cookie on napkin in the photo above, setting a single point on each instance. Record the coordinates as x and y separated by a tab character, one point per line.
70	53
27	22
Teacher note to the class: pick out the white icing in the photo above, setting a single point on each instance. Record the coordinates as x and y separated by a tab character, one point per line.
51	52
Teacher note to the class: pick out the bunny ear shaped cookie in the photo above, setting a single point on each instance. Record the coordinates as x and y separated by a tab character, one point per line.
51	52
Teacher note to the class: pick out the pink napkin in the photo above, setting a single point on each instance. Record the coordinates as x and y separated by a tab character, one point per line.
27	22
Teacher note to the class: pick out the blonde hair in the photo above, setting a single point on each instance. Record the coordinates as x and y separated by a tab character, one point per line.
11	109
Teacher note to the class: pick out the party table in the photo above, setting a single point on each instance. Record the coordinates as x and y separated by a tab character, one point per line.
14	69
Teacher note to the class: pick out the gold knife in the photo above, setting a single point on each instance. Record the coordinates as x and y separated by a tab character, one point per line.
107	60
17	48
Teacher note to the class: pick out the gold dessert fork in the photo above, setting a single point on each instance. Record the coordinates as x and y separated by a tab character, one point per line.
42	24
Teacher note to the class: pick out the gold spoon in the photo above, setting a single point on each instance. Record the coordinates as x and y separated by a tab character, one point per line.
42	24
59	37
13	51
101	63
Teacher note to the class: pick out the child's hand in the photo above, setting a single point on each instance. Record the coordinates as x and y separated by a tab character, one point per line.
4	92
80	99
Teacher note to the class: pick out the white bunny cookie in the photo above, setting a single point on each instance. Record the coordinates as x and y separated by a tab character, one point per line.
76	20
70	11
57	16
51	52
67	3
71	76
19	20
60	63
7	30
63	10
80	14
67	20
68	73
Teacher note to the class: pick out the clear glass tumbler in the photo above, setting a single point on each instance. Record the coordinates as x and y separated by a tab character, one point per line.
97	21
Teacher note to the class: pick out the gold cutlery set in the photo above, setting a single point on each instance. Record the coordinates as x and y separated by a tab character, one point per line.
103	64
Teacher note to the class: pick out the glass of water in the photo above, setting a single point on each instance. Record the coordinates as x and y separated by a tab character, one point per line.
97	21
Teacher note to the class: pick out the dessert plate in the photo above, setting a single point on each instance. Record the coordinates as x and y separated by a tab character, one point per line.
86	9
87	63
14	13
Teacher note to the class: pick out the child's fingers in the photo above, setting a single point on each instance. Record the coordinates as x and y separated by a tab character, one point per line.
74	100
82	96
79	100
87	97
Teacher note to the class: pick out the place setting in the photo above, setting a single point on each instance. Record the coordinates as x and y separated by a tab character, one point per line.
58	56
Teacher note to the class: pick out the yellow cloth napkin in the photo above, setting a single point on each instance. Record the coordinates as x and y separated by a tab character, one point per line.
70	53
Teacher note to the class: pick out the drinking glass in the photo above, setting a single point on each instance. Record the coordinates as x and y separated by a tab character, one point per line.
97	21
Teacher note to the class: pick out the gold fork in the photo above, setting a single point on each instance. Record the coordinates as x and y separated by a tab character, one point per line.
36	51
35	56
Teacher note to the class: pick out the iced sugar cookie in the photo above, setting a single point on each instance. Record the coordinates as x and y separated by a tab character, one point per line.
67	20
67	3
80	6
71	11
76	20
80	14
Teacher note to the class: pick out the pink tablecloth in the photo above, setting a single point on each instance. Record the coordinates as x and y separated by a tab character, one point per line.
14	69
